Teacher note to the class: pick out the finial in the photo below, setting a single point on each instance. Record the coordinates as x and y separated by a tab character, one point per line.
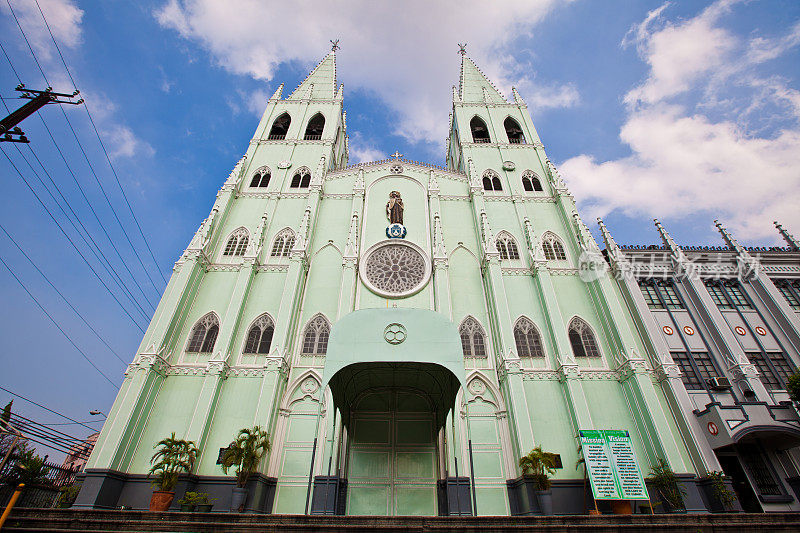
335	45
397	154
462	49
788	237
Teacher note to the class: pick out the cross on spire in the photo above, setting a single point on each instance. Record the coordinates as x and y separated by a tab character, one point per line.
397	154
334	45
462	49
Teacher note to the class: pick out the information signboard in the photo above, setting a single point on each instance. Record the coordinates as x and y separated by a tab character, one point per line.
611	465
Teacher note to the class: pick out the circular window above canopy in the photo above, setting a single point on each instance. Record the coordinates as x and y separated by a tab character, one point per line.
395	269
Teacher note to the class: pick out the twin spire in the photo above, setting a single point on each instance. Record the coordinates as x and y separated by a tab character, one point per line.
473	85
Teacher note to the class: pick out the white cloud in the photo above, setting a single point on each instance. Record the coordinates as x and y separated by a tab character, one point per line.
733	153
63	16
404	53
124	143
361	151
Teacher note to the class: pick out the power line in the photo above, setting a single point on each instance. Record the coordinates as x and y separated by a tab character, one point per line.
56	323
71	241
99	255
21	397
88	162
60	294
75	86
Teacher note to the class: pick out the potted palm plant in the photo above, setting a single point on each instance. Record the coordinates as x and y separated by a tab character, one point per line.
539	465
670	491
173	456
245	453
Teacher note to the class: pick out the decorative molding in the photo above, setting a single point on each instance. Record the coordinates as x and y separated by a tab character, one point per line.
562	271
273	268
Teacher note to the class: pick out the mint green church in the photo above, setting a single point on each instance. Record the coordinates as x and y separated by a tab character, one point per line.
405	332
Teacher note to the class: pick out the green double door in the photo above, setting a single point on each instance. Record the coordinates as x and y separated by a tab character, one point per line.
392	463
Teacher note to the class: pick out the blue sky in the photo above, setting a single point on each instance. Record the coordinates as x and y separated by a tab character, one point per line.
687	111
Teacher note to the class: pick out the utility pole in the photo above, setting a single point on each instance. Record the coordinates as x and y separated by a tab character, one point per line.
10	132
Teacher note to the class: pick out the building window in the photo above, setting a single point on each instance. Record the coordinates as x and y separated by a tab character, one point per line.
473	339
527	339
553	248
282	246
650	294
506	246
204	334
670	295
582	339
314	128
691	379
513	131
737	297
789	294
718	296
259	338
530	182
480	133
237	243
301	179
280	127
315	338
261	178
491	181
769	378
759	471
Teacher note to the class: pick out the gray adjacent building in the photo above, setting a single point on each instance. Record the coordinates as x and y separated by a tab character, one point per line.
723	322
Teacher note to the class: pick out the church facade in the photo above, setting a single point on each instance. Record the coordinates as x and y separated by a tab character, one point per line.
405	332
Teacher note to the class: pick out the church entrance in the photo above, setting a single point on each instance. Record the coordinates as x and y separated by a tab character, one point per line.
392	457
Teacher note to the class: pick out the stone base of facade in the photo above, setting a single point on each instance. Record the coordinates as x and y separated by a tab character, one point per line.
109	489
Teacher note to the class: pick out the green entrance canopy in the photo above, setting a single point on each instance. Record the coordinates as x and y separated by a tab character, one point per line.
375	348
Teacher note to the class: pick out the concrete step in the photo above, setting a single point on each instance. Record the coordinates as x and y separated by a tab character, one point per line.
98	521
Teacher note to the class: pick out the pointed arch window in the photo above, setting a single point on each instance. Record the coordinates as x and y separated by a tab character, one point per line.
513	131
261	178
237	243
480	133
282	246
259	337
204	334
301	179
527	339
473	338
582	339
506	246
553	248
491	181
280	127
314	128
315	337
531	182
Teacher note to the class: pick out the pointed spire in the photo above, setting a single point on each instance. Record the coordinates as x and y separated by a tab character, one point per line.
474	179
517	98
618	259
746	264
278	93
683	266
585	237
439	250
534	244
456	97
339	93
320	83
669	242
788	237
474	86
351	248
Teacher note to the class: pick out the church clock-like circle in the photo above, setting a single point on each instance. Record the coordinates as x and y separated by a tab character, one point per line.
395	269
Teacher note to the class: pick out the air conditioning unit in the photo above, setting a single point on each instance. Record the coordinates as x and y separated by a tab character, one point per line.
719	383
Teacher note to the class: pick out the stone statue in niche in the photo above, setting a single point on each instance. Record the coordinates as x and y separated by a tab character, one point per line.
394	208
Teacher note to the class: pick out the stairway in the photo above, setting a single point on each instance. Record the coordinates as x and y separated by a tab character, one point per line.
69	520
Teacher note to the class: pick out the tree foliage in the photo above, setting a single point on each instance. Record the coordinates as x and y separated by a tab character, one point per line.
173	456
245	453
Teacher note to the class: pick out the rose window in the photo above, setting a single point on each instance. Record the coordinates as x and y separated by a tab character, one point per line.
395	269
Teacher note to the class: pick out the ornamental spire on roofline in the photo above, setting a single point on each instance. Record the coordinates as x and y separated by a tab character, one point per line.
788	237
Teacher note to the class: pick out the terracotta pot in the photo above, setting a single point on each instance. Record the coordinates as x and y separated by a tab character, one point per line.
161	500
621	507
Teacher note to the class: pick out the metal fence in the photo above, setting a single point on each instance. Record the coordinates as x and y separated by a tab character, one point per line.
51	490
